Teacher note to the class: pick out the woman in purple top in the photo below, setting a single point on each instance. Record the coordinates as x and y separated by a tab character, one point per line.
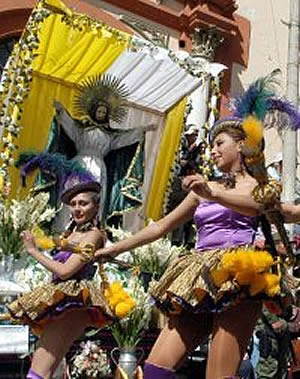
224	213
60	311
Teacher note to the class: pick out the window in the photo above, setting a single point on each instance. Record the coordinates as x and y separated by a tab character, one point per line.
6	46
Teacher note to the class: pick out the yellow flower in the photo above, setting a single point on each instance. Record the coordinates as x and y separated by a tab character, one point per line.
119	300
116	287
123	308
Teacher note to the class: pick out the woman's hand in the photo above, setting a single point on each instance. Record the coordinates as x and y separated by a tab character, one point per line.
105	254
199	185
28	240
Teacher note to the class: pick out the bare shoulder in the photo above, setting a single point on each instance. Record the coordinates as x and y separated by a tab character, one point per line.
248	182
94	236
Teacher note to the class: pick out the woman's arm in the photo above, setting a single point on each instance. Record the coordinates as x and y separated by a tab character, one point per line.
72	265
239	198
290	212
154	231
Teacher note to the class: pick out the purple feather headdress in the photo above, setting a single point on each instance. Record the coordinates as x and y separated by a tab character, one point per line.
261	101
70	176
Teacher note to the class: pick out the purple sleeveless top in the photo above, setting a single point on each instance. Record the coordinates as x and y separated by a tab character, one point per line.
221	227
87	272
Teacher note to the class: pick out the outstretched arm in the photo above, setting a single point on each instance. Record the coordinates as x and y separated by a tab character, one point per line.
290	212
154	231
130	136
65	120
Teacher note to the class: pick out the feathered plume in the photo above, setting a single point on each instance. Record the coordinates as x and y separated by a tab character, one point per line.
256	100
55	164
286	114
254	130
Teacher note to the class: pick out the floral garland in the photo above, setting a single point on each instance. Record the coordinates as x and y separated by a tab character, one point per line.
15	86
206	168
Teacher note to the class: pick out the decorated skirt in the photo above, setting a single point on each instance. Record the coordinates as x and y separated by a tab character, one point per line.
214	280
49	301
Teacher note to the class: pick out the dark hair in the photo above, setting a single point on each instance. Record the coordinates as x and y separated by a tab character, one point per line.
93	109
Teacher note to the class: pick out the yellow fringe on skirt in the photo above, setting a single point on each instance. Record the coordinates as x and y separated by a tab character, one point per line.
34	308
215	273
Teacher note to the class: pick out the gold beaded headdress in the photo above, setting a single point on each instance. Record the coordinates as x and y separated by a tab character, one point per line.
101	89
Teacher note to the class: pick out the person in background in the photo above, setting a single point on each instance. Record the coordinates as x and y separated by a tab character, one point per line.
275	167
275	348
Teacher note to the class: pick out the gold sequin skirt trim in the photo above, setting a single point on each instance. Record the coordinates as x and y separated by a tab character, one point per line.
36	307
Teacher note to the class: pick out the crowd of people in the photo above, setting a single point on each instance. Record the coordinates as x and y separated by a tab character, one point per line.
211	292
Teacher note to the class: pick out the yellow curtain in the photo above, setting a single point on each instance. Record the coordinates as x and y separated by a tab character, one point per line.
165	160
65	56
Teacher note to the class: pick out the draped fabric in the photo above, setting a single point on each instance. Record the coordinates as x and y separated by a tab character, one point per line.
64	57
168	148
68	53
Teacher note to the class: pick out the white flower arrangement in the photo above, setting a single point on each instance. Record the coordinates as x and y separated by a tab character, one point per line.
152	258
129	330
90	362
32	275
19	215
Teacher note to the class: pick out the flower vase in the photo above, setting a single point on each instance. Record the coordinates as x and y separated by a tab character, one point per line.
129	358
8	267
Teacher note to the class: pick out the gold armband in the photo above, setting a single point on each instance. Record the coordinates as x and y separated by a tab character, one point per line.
85	251
268	193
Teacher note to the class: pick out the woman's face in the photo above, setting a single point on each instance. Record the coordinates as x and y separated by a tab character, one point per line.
101	112
226	153
83	207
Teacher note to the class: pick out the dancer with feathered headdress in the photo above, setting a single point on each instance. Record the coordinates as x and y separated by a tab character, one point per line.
61	310
219	287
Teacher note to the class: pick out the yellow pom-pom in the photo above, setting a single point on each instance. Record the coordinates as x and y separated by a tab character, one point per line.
262	261
254	131
42	241
244	278
115	299
272	281
220	276
258	284
45	243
